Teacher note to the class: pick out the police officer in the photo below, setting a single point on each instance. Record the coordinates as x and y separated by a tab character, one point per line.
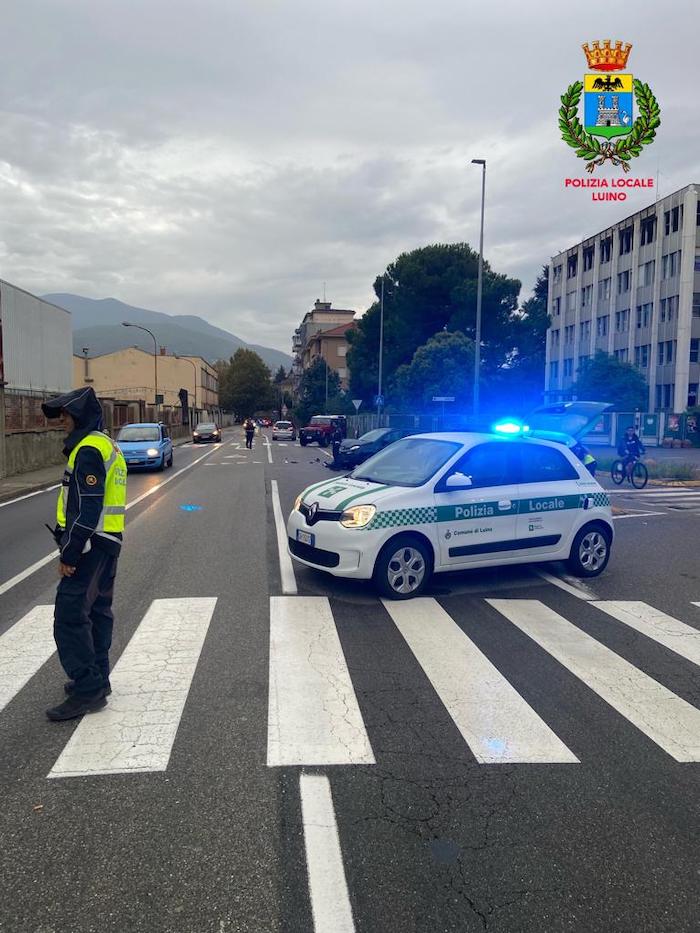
89	526
336	440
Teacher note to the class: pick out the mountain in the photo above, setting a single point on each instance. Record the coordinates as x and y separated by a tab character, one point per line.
97	325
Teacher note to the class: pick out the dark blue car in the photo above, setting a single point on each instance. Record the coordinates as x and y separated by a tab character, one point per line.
147	445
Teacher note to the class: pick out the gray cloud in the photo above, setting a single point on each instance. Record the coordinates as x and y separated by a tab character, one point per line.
227	159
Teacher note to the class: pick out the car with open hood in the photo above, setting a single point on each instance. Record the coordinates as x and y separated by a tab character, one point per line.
431	503
146	445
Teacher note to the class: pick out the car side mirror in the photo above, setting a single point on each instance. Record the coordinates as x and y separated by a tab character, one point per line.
458	481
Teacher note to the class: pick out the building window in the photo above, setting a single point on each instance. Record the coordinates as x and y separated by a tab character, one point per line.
641	356
626	237
694	348
692	394
644	314
672	307
621	320
670	265
554	339
588	256
621	355
554	370
572	266
342	351
586	296
646	273
342	372
673	220
623	282
606	249
696	304
569	333
669	350
568	367
697	262
602	326
660	353
556	307
697	214
648	230
585	330
571	301
668	396
603	289
557	275
662	310
658	397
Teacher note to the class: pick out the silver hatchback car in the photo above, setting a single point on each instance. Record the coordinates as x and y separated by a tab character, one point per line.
283	431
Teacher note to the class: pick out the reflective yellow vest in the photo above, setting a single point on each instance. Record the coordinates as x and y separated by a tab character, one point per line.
588	458
114	505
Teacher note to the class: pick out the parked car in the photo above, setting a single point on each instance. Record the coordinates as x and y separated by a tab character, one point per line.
455	501
147	445
357	450
321	428
284	431
206	432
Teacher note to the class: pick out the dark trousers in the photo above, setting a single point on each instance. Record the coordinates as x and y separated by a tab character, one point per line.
249	439
83	620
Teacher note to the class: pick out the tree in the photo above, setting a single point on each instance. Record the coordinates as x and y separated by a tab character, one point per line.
444	365
280	375
606	379
244	385
318	382
425	291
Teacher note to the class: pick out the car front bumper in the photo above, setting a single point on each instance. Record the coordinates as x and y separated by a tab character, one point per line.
343	552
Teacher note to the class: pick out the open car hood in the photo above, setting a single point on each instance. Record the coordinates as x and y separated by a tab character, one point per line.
574	418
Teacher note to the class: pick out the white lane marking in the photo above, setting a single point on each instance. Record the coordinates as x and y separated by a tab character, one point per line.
328	889
671	633
650	492
665	718
29	495
617	518
42	562
497	724
269	448
280	444
150	683
289	581
23	650
569	585
313	715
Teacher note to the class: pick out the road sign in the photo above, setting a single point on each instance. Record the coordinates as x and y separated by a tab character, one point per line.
159	399
379	401
443	398
357	402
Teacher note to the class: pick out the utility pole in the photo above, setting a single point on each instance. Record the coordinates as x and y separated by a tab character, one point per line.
477	334
381	346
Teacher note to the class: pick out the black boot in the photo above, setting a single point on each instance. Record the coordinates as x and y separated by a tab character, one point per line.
69	687
76	706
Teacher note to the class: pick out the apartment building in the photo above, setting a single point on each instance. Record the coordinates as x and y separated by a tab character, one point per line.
323	333
632	291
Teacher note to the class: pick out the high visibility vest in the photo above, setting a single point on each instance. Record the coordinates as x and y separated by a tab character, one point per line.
114	506
588	458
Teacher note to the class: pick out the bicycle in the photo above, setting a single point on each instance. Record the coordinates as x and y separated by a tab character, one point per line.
638	476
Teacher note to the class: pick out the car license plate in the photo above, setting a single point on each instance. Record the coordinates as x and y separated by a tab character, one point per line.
305	537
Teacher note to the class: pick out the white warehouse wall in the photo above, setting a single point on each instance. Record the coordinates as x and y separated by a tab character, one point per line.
37	342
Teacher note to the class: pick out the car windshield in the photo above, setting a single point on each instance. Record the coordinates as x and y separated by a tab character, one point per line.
206	427
372	435
410	462
283	425
317	420
139	432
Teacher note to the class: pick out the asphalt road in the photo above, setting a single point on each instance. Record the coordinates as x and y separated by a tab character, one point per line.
202	835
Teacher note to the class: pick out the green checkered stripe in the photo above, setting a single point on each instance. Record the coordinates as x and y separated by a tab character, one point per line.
601	499
397	517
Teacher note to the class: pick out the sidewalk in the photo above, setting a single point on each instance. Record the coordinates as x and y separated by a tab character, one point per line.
677	454
24	483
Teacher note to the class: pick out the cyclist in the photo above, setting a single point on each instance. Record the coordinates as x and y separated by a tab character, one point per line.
630	450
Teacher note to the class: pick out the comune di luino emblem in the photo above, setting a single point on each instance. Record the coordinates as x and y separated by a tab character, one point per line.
608	104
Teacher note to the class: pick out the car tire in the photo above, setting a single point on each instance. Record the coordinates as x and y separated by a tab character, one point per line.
324	442
590	551
161	465
170	459
403	567
303	441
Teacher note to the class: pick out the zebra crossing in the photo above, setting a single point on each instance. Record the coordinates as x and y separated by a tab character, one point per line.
315	717
675	499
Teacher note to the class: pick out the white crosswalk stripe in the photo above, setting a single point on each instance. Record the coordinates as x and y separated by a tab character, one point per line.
150	683
24	648
661	715
662	628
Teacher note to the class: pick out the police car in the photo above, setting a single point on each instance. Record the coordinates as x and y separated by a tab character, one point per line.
443	502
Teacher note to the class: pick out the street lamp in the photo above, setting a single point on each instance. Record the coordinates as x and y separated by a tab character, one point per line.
477	335
381	347
155	357
194	366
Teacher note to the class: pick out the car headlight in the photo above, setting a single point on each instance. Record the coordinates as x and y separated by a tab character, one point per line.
357	516
195	433
356	447
152	452
297	502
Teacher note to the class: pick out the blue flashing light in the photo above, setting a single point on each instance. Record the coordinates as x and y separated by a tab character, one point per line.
509	427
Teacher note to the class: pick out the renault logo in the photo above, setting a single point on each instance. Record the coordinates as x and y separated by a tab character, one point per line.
313	511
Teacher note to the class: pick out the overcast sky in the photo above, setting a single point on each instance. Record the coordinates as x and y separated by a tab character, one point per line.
226	157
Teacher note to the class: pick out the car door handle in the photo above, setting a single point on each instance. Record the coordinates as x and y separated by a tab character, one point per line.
504	503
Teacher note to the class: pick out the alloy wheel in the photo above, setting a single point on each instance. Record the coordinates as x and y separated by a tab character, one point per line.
593	550
406	570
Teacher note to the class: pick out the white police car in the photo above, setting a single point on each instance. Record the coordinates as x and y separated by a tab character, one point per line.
439	502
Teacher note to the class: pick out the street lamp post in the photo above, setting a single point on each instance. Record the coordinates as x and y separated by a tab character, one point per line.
477	334
381	347
194	366
155	357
